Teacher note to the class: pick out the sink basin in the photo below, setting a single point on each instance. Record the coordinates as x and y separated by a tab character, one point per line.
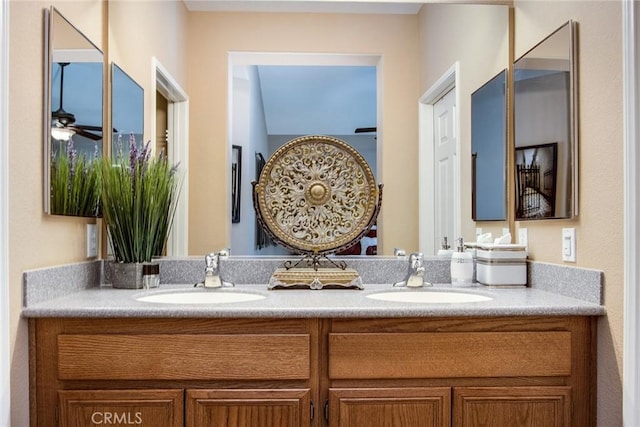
201	297
429	297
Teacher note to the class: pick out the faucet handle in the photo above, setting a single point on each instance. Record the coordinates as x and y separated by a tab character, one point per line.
416	260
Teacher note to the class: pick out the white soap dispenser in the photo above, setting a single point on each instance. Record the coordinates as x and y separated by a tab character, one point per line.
461	265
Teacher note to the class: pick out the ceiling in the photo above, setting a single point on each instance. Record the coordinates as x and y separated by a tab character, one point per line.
327	100
305	6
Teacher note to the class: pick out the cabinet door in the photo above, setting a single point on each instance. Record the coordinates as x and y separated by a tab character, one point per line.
512	407
158	408
405	407
248	408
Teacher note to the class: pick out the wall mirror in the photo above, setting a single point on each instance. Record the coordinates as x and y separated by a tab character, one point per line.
127	111
545	116
72	119
489	150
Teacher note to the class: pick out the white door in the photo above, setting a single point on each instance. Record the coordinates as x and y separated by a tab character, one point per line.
445	166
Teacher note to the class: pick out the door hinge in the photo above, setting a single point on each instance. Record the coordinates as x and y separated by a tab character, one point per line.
313	410
326	410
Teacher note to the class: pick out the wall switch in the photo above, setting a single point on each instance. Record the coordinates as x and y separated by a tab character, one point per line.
569	244
92	240
523	238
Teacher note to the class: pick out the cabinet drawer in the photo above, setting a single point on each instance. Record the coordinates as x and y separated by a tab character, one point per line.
183	357
449	355
161	408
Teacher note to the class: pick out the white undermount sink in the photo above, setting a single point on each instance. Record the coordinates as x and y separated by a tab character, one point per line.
429	297
201	296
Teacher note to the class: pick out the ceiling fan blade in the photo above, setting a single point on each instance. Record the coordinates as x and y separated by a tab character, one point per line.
366	130
83	132
90	127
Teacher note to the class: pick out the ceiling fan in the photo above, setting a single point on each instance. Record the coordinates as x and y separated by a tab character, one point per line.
366	130
63	124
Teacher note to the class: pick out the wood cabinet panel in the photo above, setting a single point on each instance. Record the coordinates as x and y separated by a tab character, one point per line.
512	406
248	408
157	408
180	356
449	355
381	407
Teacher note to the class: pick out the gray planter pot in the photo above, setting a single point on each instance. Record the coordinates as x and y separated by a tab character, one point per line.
126	275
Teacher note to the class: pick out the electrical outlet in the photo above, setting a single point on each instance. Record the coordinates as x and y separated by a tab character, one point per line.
569	244
523	238
92	240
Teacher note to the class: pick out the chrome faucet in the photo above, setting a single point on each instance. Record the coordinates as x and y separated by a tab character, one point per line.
212	277
415	275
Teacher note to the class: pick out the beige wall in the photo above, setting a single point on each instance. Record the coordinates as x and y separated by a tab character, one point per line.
476	36
212	35
35	239
141	30
599	227
38	240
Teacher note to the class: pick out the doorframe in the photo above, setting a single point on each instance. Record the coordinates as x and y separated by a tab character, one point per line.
5	330
426	137
631	109
178	151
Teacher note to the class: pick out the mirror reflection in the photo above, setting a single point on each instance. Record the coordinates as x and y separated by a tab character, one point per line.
545	138
73	124
293	101
488	150
127	111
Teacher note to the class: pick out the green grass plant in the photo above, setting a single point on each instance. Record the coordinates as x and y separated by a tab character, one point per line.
139	198
76	183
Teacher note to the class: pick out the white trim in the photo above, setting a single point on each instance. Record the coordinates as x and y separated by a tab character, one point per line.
178	125
426	189
5	332
631	100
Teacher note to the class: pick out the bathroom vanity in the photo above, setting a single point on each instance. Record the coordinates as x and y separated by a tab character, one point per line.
521	357
441	371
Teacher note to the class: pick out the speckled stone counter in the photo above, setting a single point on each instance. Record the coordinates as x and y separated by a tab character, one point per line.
82	290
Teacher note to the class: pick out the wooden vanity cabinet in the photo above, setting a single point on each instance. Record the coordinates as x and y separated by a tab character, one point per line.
497	372
173	372
471	372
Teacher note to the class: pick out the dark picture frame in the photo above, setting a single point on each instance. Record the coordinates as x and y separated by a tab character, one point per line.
236	175
536	180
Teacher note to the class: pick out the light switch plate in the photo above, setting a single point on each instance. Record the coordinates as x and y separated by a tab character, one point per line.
569	244
523	238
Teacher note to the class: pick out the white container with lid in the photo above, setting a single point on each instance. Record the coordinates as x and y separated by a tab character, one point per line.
501	264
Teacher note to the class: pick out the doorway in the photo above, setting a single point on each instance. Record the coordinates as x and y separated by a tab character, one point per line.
439	187
174	121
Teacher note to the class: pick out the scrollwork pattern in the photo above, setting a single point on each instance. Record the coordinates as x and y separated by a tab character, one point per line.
317	193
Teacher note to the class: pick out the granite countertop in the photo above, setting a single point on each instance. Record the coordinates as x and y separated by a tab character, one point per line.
104	301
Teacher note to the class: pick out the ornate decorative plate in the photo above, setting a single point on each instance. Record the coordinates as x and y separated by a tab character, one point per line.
316	195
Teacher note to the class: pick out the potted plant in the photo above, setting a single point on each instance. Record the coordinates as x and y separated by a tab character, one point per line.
139	195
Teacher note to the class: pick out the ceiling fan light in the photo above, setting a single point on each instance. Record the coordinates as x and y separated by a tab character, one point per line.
62	134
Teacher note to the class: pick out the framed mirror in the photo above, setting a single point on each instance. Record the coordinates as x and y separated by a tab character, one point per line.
72	119
545	116
489	150
127	111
